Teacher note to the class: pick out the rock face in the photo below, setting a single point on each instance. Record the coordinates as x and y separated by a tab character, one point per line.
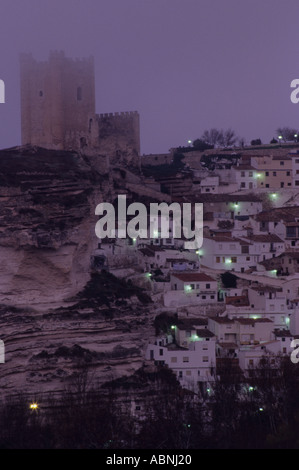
54	318
47	202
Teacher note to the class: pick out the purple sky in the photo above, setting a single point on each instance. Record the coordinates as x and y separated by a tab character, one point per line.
185	65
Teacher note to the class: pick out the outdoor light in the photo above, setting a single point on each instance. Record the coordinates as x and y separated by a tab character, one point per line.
274	196
188	288
228	261
33	406
172	327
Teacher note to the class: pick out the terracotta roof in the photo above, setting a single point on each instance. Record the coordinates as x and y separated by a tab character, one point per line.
194	277
286	214
244	167
281	157
282	333
204	197
188	323
222	320
267	238
226	239
252	321
261	288
237	300
228	345
204	333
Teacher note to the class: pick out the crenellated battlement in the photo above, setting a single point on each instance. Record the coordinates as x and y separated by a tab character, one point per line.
122	114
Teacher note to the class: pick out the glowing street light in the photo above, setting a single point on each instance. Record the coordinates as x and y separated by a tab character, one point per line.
33	406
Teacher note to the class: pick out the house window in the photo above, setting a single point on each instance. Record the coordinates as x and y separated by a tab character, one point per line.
161	352
243	174
173	359
188	372
274	173
180	374
217	259
267	173
208	286
233	259
185	359
205	359
243	185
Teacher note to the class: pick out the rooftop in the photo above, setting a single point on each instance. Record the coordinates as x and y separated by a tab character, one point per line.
194	277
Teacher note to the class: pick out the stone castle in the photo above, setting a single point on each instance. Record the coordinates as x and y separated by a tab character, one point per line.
58	111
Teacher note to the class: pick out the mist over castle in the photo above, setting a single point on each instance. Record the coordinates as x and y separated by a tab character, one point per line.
58	110
149	126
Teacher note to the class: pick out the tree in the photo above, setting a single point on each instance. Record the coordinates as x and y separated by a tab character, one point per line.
229	138
213	137
287	134
256	142
229	280
219	137
201	145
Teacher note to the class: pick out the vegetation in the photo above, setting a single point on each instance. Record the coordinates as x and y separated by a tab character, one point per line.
229	280
261	412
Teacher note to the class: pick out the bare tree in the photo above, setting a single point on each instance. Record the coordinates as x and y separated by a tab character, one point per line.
287	134
219	137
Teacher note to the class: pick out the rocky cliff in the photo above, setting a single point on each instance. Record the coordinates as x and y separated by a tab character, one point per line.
52	317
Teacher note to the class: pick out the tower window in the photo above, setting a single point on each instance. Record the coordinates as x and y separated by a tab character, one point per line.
79	93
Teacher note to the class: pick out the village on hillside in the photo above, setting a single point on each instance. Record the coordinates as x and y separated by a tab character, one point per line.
236	299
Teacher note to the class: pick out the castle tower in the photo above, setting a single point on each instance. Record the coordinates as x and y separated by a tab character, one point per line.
57	101
58	111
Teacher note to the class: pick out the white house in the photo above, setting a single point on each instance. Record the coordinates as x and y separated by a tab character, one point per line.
228	253
191	365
